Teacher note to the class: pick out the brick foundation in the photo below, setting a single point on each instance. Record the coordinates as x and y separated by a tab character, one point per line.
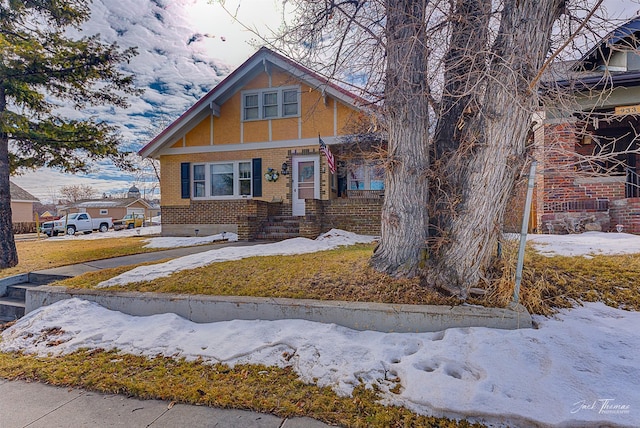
627	213
246	217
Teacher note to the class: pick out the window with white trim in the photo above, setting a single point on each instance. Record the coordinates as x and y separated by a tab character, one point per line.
222	180
365	176
272	103
251	109
104	212
199	181
269	105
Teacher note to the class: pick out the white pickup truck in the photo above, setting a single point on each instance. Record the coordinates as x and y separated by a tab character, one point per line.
80	222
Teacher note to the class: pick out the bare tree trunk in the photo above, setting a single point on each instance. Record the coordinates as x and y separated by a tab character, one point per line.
8	252
402	249
489	162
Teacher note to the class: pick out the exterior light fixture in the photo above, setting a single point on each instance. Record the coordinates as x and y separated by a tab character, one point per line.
285	168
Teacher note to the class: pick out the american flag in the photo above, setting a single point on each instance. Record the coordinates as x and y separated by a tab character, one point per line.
327	153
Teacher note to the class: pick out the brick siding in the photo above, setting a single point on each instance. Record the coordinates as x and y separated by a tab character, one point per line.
627	213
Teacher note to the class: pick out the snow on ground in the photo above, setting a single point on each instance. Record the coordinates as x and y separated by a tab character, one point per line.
580	368
157	242
327	241
586	244
140	231
176	241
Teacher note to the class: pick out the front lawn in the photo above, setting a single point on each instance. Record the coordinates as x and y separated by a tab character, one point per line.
341	274
344	274
45	254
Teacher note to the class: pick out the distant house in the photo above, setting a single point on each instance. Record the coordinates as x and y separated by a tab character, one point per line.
247	158
21	204
576	192
115	208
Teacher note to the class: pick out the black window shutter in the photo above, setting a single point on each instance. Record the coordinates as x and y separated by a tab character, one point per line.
185	181
256	176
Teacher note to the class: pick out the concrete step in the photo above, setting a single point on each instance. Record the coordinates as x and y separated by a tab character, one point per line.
276	236
12	302
280	229
11	308
19	291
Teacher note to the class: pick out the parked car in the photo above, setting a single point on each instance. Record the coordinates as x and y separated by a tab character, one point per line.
81	222
47	228
129	222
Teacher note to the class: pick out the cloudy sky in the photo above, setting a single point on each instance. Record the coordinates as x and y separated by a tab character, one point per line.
185	48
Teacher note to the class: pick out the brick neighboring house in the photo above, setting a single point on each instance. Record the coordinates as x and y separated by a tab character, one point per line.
116	208
246	157
575	193
21	204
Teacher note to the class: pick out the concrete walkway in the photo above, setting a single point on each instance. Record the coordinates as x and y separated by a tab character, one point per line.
80	268
36	405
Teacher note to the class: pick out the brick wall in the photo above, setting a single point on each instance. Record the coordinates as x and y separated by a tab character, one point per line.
562	181
627	213
354	215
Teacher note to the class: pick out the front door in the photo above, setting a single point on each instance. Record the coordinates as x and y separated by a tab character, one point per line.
305	182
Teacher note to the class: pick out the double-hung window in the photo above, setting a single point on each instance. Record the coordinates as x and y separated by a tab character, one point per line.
272	103
269	105
222	180
251	108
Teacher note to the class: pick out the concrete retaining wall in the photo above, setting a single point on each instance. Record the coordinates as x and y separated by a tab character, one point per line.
355	315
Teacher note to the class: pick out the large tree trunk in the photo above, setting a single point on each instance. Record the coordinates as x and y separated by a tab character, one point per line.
488	162
8	252
404	226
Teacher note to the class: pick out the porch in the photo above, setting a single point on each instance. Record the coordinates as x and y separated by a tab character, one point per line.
358	212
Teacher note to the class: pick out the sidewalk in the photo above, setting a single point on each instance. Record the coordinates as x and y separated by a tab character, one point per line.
36	405
80	268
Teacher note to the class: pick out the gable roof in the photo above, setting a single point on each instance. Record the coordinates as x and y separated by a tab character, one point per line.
624	36
584	73
233	82
18	194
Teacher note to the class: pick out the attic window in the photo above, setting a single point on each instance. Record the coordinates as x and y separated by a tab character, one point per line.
272	103
251	109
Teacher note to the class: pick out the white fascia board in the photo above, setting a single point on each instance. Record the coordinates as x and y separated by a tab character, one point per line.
284	144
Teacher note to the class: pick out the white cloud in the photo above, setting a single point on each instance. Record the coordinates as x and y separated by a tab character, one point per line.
174	72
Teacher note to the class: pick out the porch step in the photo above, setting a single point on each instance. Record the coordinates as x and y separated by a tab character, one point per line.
279	228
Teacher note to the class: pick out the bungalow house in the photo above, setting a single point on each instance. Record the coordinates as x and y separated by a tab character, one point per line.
268	153
115	208
589	153
21	204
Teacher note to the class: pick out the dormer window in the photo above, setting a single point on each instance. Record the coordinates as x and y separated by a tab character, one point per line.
273	103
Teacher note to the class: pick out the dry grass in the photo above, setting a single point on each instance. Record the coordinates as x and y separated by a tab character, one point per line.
344	274
550	283
45	254
340	274
258	388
